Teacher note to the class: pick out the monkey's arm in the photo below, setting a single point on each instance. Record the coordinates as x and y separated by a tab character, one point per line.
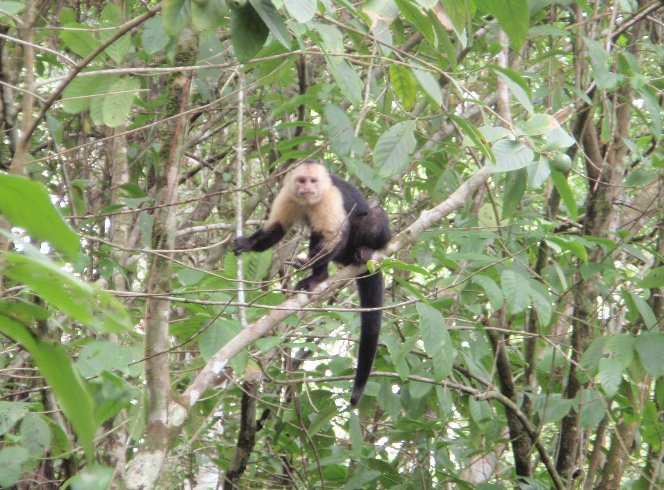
317	260
263	239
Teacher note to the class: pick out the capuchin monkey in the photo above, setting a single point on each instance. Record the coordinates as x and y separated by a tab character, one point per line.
344	229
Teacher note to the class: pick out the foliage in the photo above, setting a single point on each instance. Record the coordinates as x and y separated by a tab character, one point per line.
522	339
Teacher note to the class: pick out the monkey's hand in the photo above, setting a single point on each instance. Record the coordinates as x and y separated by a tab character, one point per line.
307	284
298	263
241	244
363	254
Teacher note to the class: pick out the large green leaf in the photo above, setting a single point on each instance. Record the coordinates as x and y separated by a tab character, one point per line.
517	86
26	204
515	187
111	17
653	279
339	130
478	137
513	17
566	194
207	14
176	14
81	301
430	85
516	290
403	84
248	32
650	347
10	414
436	340
78	95
68	387
347	79
12	459
272	19
35	434
301	10
115	105
394	148
610	375
78	38
153	36
413	14
510	155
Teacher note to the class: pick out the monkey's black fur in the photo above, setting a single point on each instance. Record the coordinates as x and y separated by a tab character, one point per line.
364	231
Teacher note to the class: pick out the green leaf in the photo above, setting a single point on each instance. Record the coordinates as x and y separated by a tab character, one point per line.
491	289
12	460
436	340
10	413
331	38
77	96
176	14
478	137
92	478
517	86
394	148
56	368
102	88
355	430
515	188
79	39
412	13
403	84
35	434
110	17
301	10
347	79
272	19
102	355
81	301
26	204
116	104
339	129
601	72
594	408
653	279
215	336
430	85
549	127
551	408
513	17
510	155
248	33
153	36
11	8
458	13
208	14
650	347
648	316
516	290
541	301
566	194
610	375
361	478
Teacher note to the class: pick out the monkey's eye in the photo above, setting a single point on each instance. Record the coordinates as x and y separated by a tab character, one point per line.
301	180
314	180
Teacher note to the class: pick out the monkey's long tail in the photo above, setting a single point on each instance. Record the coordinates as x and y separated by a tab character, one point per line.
371	288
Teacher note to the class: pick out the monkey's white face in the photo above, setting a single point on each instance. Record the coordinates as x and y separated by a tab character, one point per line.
307	186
